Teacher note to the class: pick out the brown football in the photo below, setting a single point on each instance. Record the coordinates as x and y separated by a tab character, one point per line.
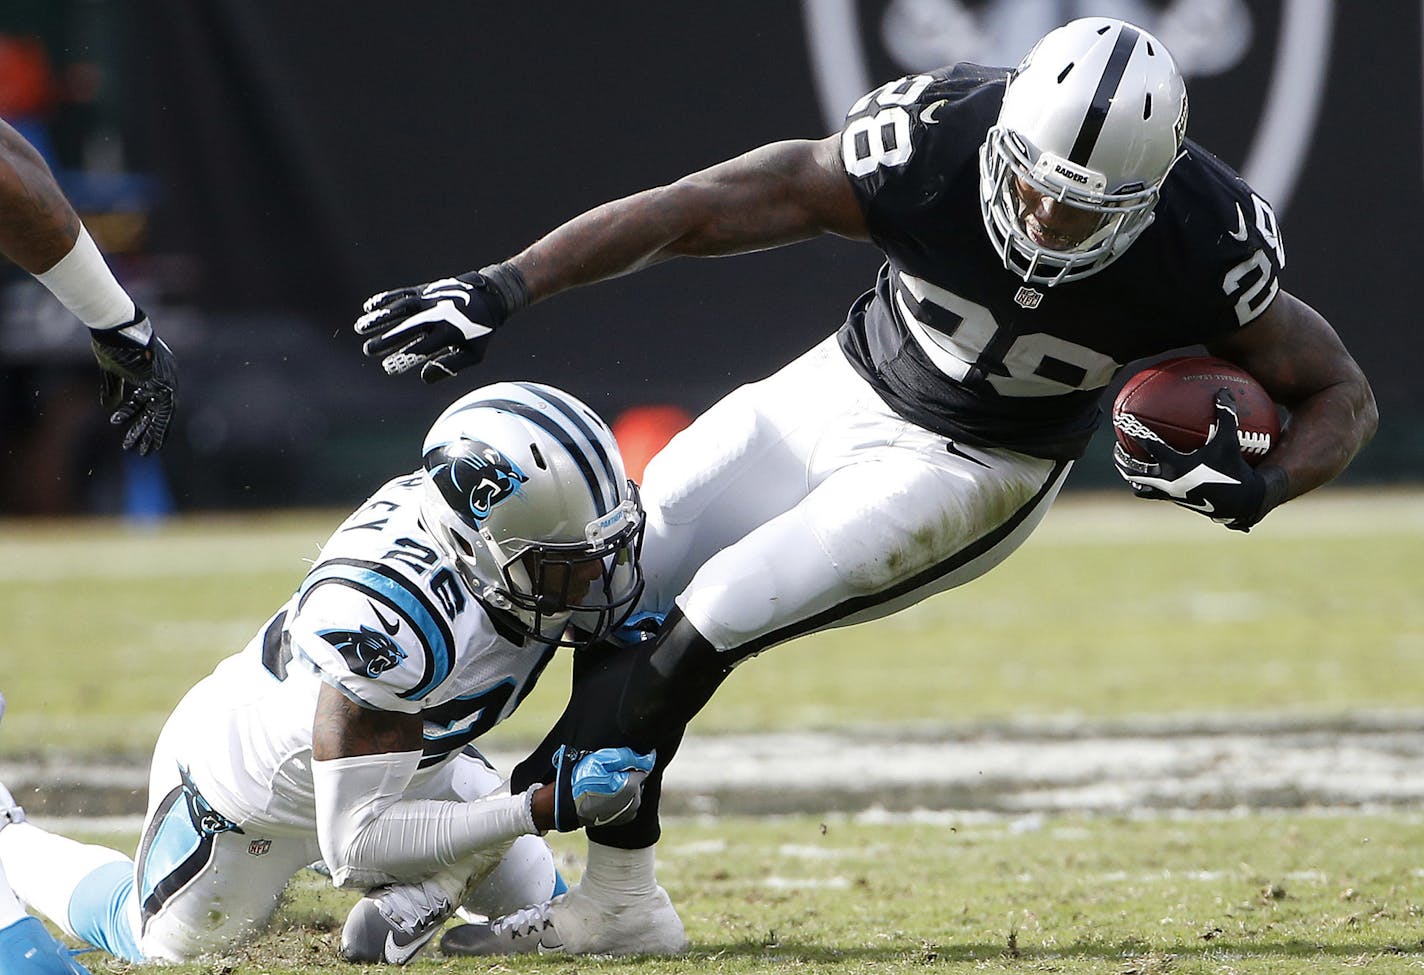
1174	399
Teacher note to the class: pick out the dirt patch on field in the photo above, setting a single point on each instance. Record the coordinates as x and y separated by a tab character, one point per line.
1186	764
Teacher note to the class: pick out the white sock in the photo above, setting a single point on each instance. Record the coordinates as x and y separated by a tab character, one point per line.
11	910
46	867
620	875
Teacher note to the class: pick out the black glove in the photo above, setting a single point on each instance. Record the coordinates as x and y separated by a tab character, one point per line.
138	380
443	326
1214	479
599	788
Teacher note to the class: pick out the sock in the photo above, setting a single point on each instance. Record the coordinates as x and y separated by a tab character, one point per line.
46	868
618	875
102	910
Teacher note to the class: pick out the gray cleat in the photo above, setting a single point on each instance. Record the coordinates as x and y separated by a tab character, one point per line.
392	923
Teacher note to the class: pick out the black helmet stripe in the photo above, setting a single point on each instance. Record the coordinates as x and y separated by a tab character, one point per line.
1102	98
599	484
581	422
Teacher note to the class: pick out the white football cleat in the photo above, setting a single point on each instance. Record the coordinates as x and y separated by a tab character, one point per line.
392	923
577	923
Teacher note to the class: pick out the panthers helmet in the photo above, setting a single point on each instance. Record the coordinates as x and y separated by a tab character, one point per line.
525	490
1094	117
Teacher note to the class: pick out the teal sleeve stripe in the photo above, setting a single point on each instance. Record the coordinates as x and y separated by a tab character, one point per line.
385	584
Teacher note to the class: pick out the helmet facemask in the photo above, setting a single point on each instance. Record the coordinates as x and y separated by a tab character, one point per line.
1006	162
593	584
526	492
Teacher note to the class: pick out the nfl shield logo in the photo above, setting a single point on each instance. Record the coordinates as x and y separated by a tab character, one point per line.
258	847
1028	297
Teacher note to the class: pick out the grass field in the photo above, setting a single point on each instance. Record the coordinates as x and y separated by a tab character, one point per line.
1114	609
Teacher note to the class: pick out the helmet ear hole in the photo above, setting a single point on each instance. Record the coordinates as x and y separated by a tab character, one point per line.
463	545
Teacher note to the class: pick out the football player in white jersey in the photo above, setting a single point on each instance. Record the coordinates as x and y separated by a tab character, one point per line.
1042	227
344	731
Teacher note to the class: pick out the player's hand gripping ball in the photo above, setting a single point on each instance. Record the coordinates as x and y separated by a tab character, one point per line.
1174	402
1190	431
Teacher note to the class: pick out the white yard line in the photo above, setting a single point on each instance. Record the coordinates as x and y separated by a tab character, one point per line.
1181	765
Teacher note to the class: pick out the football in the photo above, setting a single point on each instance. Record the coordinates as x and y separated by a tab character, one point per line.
1174	400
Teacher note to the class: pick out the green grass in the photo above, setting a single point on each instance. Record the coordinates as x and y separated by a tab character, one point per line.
1242	894
1113	609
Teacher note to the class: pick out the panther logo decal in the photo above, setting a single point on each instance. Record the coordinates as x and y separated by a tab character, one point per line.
368	652
473	477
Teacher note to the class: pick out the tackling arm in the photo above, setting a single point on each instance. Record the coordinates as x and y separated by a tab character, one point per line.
362	763
1296	355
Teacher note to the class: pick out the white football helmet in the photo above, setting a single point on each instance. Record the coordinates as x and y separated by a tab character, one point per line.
525	489
1093	117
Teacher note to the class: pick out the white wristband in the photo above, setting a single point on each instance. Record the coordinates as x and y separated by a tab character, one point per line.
84	284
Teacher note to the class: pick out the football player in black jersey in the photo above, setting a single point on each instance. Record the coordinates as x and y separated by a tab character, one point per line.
1042	227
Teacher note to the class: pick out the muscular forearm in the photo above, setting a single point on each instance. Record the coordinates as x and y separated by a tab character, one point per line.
606	242
775	195
1299	358
1325	433
37	224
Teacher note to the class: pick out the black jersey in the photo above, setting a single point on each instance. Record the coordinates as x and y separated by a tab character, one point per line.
959	344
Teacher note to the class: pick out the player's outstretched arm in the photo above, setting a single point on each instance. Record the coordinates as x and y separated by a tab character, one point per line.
41	233
1298	357
775	195
363	760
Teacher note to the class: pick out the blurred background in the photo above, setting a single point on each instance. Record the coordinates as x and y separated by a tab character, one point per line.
255	168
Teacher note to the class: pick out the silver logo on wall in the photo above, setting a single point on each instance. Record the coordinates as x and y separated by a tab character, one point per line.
1207	37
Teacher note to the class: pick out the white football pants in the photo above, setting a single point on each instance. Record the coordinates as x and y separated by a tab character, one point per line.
803	502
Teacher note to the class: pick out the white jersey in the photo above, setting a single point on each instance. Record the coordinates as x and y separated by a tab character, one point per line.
384	617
